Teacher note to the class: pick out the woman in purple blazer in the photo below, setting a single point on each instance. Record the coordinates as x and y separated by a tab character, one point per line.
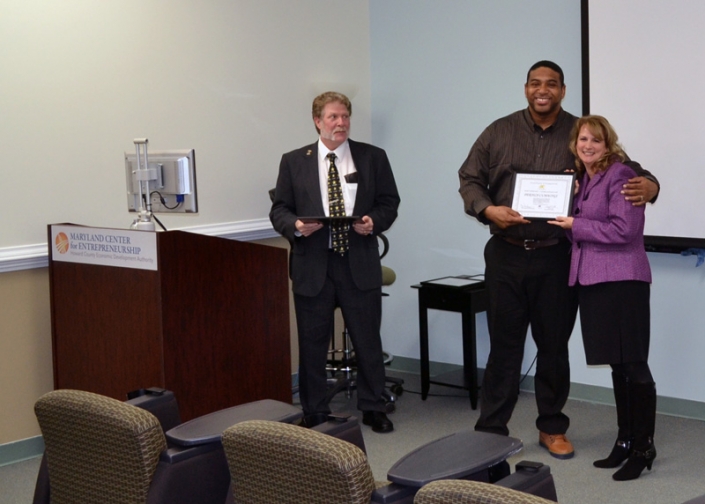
613	277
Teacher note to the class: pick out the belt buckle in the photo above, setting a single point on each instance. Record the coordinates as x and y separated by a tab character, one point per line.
530	244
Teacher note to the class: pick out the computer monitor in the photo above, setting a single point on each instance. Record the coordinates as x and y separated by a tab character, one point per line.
173	190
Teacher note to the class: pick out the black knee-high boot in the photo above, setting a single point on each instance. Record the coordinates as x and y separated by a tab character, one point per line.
622	447
643	407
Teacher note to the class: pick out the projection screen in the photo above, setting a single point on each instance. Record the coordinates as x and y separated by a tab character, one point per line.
644	70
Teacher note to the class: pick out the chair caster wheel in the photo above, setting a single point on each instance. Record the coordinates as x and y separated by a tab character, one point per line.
390	407
397	390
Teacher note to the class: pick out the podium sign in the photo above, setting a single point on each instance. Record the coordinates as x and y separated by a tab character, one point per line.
122	248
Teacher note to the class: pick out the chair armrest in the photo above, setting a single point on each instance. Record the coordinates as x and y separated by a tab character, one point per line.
187	475
345	428
159	402
466	454
178	454
394	494
531	477
209	428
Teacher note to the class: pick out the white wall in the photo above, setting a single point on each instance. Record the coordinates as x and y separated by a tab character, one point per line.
441	72
233	79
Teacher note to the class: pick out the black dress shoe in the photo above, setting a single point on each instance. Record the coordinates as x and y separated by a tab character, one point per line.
378	421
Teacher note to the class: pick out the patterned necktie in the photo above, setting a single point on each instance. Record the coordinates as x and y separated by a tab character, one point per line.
336	207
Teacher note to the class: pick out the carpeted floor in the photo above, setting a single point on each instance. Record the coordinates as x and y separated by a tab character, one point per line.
678	473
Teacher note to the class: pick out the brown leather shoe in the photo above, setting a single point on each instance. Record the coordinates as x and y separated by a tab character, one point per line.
557	445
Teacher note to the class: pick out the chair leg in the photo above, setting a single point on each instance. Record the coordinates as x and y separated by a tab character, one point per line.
345	366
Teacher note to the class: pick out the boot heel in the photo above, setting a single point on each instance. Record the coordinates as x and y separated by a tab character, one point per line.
650	455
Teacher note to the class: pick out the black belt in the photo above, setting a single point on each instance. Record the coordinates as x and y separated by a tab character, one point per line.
532	244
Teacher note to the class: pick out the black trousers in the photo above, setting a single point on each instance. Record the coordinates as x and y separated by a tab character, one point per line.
362	312
527	288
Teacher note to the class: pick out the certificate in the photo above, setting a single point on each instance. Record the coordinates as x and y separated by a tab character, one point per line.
458	281
327	220
543	195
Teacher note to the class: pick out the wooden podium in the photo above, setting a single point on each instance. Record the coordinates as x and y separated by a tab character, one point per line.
210	322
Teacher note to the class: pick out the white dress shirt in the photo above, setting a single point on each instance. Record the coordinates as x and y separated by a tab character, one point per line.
344	164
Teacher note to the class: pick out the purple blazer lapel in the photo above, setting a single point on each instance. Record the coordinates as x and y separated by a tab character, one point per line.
593	182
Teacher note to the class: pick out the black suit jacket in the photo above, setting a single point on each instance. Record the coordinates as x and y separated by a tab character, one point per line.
298	194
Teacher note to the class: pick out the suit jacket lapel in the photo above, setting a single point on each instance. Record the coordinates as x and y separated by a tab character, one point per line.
361	159
309	176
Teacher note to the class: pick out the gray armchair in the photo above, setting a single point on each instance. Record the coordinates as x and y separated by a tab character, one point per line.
283	463
473	492
101	450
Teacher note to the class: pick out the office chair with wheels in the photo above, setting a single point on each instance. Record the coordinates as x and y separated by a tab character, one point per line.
389	276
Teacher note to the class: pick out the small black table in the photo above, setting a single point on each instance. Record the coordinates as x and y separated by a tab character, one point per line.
466	295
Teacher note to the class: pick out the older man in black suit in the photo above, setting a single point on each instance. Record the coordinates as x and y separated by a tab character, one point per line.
333	263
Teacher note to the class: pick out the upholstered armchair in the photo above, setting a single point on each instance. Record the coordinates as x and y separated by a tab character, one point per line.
101	450
473	492
274	462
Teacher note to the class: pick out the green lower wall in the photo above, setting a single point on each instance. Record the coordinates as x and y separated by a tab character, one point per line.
18	451
578	391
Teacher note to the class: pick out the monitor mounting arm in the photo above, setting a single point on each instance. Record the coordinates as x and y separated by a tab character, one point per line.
144	175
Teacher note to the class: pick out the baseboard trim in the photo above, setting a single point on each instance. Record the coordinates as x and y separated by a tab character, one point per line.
671	406
24	449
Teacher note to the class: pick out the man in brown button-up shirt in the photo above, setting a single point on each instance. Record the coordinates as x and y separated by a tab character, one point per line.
527	262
